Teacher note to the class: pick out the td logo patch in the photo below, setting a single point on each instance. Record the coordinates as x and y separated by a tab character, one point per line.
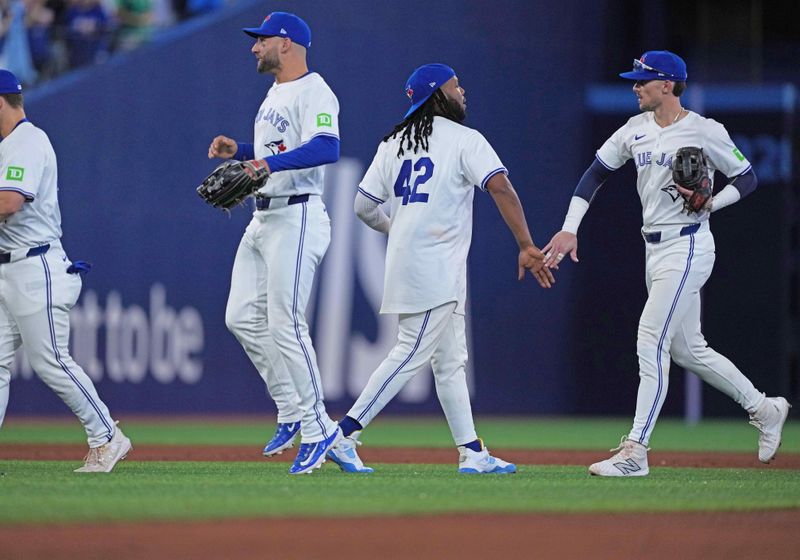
324	119
738	154
15	173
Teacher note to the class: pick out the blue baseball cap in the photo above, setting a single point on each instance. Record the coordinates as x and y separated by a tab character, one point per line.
9	83
658	65
282	24
424	81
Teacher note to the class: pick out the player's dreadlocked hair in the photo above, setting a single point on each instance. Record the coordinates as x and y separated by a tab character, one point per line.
417	128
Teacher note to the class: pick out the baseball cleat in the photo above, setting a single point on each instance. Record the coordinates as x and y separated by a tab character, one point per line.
310	456
103	458
481	462
631	460
282	440
769	419
345	454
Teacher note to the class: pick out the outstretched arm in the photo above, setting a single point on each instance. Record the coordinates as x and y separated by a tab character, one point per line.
565	242
530	257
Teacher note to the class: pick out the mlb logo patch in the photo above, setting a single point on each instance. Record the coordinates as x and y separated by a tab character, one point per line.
15	173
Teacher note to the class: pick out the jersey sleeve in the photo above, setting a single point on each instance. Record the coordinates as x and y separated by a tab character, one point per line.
616	150
479	161
320	114
723	153
21	171
375	184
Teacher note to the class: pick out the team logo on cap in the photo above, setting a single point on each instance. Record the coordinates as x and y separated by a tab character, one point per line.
410	92
266	19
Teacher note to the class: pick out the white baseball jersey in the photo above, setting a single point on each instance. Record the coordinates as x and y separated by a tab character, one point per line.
677	268
652	148
28	166
292	114
37	292
431	212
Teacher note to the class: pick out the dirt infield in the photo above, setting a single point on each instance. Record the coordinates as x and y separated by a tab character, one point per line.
687	536
403	455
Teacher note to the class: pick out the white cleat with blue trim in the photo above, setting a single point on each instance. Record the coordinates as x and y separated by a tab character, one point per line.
103	458
346	456
310	456
481	462
631	460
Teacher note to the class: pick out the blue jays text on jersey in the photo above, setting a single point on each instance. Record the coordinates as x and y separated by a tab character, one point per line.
275	118
646	158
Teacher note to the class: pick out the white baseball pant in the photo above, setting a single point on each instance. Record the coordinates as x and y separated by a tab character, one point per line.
36	294
271	283
436	336
676	270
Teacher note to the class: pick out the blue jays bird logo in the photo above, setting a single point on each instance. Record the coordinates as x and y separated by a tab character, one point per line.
672	191
410	93
276	147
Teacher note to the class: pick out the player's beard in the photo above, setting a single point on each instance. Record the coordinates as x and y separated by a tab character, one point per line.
269	63
449	108
457	110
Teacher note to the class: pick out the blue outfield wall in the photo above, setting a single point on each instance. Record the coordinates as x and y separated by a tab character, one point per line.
132	136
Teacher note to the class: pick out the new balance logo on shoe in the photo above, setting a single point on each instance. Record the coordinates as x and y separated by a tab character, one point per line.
631	460
628	466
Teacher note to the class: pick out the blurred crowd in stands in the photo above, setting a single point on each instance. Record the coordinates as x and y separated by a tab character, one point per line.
40	39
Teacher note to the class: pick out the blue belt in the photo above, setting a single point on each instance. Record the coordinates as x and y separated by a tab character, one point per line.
655	236
40	250
262	202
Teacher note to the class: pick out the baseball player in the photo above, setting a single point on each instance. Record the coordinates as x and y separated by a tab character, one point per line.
296	134
38	283
428	167
679	250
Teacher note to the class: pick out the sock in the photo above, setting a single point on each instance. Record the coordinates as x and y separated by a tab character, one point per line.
349	425
476	445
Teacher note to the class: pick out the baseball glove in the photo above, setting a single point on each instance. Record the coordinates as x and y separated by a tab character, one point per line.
233	181
690	171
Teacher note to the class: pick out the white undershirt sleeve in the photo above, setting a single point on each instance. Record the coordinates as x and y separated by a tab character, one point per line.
370	212
725	197
577	209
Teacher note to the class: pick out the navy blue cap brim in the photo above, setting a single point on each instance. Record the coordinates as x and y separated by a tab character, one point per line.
642	75
417	105
255	32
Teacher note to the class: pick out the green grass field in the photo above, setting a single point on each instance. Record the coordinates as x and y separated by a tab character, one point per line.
47	491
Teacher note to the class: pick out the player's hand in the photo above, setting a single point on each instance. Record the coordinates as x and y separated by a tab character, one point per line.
563	243
531	258
687	194
222	147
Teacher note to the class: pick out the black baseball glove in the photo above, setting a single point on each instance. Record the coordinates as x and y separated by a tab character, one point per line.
690	171
233	181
